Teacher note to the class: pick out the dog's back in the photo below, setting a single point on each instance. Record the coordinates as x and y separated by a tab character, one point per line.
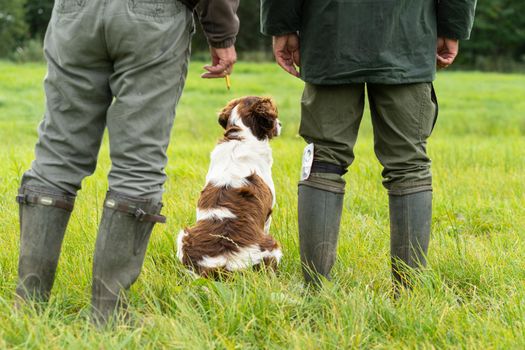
234	210
229	233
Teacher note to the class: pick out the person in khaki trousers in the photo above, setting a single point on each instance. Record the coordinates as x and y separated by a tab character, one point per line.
390	48
119	65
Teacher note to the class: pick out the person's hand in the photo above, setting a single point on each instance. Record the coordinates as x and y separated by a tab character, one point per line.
446	51
286	52
222	61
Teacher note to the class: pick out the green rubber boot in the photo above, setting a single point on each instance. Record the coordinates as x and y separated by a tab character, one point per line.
410	218
319	209
120	249
44	215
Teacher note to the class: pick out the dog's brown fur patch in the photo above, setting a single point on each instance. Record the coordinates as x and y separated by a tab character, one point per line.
257	113
251	204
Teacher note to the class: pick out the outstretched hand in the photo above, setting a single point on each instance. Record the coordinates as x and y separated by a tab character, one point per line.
286	52
222	62
446	51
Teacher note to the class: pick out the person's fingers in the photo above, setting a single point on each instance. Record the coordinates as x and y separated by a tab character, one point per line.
222	67
219	68
287	64
445	59
297	58
293	49
223	60
443	62
440	58
441	65
446	52
213	75
285	50
218	71
285	60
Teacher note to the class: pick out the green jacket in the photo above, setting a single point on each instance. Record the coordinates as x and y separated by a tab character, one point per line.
375	41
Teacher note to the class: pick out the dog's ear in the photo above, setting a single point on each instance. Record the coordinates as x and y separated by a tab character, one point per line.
265	114
225	113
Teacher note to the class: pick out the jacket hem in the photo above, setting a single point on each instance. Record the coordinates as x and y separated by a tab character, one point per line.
370	80
450	34
276	31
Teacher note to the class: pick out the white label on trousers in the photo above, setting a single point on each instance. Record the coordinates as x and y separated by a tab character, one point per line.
308	158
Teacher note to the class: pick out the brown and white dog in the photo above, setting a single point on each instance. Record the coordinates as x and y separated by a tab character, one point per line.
235	206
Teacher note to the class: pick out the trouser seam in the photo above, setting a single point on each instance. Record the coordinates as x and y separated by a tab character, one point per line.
421	117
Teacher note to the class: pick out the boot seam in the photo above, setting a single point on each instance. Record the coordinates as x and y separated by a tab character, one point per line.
324	260
406	221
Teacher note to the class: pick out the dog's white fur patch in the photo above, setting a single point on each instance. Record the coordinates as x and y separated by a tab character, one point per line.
233	161
181	235
215	213
244	258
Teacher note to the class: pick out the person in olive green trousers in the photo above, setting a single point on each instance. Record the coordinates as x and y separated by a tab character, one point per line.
119	65
391	48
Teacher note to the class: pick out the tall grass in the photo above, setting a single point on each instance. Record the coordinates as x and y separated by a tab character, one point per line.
471	296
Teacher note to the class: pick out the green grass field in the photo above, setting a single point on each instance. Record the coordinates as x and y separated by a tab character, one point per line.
471	296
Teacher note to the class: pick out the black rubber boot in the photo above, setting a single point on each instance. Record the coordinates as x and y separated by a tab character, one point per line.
44	215
319	218
410	218
121	245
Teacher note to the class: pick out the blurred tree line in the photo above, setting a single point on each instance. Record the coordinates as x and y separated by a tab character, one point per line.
498	34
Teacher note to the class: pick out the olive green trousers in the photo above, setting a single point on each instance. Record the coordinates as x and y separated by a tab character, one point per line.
403	117
119	65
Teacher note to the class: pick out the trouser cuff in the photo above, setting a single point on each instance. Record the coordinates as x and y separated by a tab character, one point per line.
403	189
324	184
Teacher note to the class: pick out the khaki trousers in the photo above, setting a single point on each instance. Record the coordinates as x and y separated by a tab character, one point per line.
115	64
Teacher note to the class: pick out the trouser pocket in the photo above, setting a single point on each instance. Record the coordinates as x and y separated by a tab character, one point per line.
433	97
69	6
156	10
428	113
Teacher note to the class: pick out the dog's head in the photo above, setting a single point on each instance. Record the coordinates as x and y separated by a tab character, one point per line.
257	115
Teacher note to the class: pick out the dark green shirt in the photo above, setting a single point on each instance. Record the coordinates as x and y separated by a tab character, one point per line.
375	41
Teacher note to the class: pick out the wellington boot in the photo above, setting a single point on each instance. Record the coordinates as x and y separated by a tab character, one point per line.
319	218
410	218
44	215
121	245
